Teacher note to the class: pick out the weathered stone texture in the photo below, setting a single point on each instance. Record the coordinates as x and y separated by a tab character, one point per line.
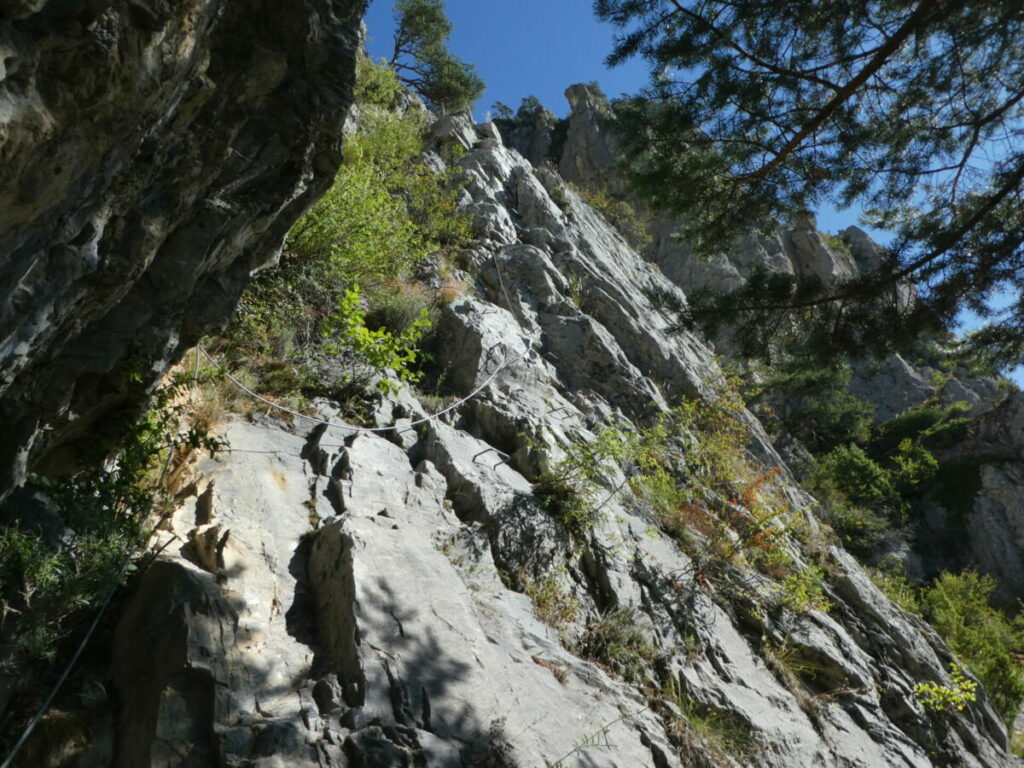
152	155
358	600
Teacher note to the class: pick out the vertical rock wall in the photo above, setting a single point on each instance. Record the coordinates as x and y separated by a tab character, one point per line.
153	153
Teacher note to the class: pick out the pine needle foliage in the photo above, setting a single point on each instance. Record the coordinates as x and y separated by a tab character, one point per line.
913	111
423	62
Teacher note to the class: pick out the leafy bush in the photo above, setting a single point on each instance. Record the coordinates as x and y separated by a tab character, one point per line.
860	530
848	470
620	214
362	231
385	213
893	582
934	428
398	311
559	197
49	583
369	353
958	606
572	488
377	85
817	407
912	466
555	606
942	698
803	590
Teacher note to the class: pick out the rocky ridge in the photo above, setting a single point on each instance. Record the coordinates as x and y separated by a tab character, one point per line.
355	598
990	523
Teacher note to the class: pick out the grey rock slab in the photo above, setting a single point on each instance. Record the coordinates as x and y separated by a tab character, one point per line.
892	386
435	656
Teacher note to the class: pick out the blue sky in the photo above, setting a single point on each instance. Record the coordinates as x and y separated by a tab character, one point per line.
523	47
540	47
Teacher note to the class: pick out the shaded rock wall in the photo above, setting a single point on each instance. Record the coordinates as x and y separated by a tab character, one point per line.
152	155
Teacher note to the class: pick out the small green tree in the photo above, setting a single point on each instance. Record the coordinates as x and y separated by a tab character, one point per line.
817	406
423	62
864	482
372	353
958	606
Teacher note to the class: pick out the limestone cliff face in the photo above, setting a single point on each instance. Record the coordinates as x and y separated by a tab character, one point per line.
152	155
354	599
985	530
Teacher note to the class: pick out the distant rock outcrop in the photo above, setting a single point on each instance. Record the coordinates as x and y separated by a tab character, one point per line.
152	155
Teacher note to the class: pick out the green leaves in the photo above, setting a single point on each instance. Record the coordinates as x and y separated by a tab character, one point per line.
943	698
958	606
48	580
385	212
376	353
914	112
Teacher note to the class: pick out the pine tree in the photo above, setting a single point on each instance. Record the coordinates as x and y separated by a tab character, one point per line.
911	110
423	62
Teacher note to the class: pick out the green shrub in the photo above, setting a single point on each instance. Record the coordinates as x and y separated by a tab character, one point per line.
958	606
949	433
804	590
859	529
620	214
554	605
50	584
372	353
385	212
848	470
617	642
572	490
362	231
559	197
377	84
818	408
943	698
930	427
837	244
912	466
894	584
910	425
396	312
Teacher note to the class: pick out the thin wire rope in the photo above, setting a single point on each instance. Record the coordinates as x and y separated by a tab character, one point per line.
501	284
53	693
41	712
372	430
